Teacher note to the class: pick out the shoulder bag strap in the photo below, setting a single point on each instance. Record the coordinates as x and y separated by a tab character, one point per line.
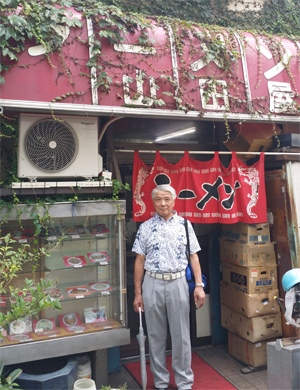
188	252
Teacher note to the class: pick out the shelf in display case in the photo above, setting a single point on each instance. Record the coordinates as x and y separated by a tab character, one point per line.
61	266
73	237
80	266
55	239
86	289
76	232
78	259
60	332
56	232
72	291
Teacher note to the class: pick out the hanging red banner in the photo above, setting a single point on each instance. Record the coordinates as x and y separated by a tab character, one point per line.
207	192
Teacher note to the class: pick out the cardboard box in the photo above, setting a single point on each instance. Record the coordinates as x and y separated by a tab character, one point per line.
249	280
251	329
248	255
247	234
252	354
249	305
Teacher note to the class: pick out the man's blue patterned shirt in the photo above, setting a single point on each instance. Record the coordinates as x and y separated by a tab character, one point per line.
164	243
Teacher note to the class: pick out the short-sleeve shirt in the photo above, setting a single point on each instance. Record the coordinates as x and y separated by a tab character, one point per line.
164	243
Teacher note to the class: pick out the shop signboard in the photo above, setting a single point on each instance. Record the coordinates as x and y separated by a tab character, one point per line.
173	71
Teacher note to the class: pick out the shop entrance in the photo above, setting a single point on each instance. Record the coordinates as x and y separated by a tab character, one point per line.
126	135
141	134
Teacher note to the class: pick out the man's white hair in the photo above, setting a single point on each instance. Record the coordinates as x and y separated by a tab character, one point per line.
164	187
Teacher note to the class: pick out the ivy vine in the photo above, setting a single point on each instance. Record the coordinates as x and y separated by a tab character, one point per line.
40	21
278	17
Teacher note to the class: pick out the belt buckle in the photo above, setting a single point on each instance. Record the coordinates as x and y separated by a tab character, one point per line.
166	277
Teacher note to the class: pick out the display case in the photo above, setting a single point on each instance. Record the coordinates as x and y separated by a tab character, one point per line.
85	259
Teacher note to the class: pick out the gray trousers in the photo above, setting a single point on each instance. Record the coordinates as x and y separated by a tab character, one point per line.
168	302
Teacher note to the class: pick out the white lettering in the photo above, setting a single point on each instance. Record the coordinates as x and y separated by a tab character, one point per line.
280	66
139	99
281	95
128	48
214	96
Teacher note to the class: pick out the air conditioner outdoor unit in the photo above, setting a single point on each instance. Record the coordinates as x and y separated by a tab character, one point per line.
66	146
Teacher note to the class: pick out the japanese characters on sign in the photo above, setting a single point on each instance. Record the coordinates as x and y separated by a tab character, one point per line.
207	192
256	74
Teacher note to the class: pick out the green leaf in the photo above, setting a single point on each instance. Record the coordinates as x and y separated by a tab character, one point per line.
103	23
95	50
2	30
159	102
14	375
135	96
16	20
103	34
10	54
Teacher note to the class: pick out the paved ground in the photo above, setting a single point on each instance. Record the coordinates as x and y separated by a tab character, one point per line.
216	357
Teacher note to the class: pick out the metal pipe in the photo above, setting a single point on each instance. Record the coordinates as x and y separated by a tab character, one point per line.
101	134
210	152
120	243
278	300
89	109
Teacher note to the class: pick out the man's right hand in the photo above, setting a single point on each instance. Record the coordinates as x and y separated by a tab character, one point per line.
138	279
138	303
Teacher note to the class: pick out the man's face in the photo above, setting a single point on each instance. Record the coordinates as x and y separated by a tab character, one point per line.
163	204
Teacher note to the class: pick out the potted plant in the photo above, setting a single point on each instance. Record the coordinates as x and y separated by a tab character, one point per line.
11	261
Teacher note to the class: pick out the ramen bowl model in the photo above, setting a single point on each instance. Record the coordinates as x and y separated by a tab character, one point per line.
17	327
44	324
98	256
80	230
55	294
70	230
17	233
100	286
78	291
74	261
70	319
94	229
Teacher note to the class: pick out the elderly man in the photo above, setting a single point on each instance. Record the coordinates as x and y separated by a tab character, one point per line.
160	246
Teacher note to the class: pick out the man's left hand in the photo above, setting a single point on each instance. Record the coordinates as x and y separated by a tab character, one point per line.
199	297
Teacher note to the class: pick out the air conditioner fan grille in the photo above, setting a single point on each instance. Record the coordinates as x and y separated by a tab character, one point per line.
51	145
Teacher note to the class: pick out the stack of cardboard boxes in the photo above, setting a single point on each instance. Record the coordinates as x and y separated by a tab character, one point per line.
248	309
